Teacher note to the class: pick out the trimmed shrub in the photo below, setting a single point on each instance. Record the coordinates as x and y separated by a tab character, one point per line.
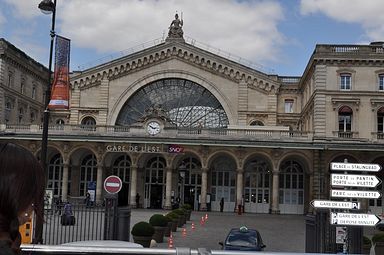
378	238
179	211
187	207
142	228
168	218
173	215
366	240
158	220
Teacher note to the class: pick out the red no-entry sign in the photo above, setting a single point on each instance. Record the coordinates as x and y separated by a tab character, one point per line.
112	184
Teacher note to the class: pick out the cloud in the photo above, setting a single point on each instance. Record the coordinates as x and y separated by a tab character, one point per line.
369	14
24	9
245	28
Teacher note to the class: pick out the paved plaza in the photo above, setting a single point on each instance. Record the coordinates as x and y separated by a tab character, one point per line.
280	233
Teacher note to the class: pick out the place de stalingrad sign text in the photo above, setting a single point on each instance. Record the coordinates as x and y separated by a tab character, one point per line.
144	148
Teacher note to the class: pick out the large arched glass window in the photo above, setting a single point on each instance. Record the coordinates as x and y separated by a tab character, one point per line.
185	103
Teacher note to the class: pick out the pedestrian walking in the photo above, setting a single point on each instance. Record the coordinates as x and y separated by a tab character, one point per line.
222	204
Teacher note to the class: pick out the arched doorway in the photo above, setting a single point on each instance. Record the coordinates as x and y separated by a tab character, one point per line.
122	168
291	187
223	183
154	183
191	182
257	185
88	174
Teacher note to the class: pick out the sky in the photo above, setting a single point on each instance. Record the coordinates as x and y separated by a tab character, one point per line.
277	36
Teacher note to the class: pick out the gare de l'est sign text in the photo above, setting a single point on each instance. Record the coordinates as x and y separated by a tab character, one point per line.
145	148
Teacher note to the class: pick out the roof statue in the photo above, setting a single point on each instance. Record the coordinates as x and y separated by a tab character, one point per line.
175	29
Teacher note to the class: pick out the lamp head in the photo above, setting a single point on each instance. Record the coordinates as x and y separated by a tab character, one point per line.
47	6
182	169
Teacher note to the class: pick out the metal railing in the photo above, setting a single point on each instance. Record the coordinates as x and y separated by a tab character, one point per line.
88	224
217	133
67	250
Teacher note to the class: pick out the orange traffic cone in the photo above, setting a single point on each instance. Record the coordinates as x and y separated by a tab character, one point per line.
193	226
170	242
184	233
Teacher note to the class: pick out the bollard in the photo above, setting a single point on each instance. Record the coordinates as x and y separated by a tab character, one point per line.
123	223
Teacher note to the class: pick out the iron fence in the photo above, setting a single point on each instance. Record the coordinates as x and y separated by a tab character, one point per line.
84	223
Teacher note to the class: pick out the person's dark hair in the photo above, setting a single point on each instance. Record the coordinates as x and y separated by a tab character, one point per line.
22	184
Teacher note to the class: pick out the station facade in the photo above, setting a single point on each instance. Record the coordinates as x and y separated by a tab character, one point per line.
177	122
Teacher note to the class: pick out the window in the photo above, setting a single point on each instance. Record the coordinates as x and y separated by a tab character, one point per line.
33	117
34	92
256	123
22	86
345	121
88	123
288	105
345	81
60	122
381	82
10	79
380	120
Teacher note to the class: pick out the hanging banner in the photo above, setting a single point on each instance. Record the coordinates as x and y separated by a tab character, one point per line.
60	86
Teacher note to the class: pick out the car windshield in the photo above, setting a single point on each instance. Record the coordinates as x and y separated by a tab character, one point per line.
245	239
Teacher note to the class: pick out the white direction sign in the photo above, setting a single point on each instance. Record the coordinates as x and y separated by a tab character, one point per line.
354	219
354	180
335	204
354	193
355	167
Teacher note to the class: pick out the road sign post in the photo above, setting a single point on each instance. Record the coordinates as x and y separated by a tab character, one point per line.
112	184
327	204
354	219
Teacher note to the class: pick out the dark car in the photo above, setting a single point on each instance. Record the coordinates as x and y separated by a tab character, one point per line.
243	239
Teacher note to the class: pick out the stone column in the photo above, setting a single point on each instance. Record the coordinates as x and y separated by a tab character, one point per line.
99	183
275	192
168	189
64	187
239	187
204	188
310	192
133	191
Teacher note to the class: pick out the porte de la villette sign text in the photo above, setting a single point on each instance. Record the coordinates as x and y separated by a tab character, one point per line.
145	148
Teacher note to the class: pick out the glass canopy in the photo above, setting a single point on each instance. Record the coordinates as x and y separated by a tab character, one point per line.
185	103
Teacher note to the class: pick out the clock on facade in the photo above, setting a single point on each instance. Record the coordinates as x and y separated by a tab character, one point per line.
153	128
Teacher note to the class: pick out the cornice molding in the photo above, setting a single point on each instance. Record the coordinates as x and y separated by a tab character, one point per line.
183	52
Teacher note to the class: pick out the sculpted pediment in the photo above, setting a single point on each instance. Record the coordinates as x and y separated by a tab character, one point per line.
184	52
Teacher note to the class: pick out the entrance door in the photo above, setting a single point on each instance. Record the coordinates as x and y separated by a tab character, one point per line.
156	196
123	195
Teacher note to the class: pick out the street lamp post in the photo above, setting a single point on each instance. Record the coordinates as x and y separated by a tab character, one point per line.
47	7
182	170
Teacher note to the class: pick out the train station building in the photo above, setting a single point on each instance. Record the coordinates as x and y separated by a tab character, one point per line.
177	121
